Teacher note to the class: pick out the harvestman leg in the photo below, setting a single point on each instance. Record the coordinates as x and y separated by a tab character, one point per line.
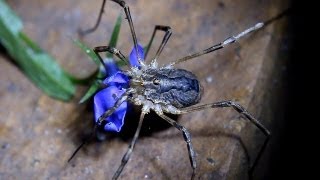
124	96
240	109
220	45
88	31
111	50
233	104
167	29
187	138
231	39
102	120
128	16
168	32
93	132
127	155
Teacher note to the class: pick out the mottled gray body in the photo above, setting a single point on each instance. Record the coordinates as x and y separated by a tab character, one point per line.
176	87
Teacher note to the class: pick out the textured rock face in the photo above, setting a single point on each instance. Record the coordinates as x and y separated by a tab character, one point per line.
38	134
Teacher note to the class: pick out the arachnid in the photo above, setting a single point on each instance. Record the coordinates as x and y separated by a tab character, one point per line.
164	89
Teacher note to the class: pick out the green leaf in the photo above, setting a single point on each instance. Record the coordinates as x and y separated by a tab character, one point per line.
88	51
92	55
40	67
101	71
83	81
9	19
92	90
115	35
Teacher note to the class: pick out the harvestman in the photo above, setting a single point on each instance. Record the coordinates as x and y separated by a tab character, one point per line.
167	89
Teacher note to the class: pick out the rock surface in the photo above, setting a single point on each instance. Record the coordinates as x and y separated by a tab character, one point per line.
38	134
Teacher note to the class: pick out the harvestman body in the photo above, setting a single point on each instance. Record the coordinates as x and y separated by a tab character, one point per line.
167	89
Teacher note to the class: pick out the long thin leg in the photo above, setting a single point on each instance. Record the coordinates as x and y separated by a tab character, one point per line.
123	98
128	15
127	155
168	32
83	143
102	119
232	39
112	50
240	109
187	138
220	45
85	32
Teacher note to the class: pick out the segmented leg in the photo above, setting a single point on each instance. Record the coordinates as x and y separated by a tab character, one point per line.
83	143
111	50
220	45
128	17
231	39
187	138
90	30
118	103
102	120
240	109
168	32
127	155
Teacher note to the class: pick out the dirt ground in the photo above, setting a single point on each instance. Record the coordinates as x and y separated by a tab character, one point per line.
38	134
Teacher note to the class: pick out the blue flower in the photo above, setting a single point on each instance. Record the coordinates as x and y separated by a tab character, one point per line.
133	56
116	84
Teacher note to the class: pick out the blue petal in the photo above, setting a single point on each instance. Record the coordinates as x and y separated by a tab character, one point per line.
104	100
118	79
111	67
133	56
